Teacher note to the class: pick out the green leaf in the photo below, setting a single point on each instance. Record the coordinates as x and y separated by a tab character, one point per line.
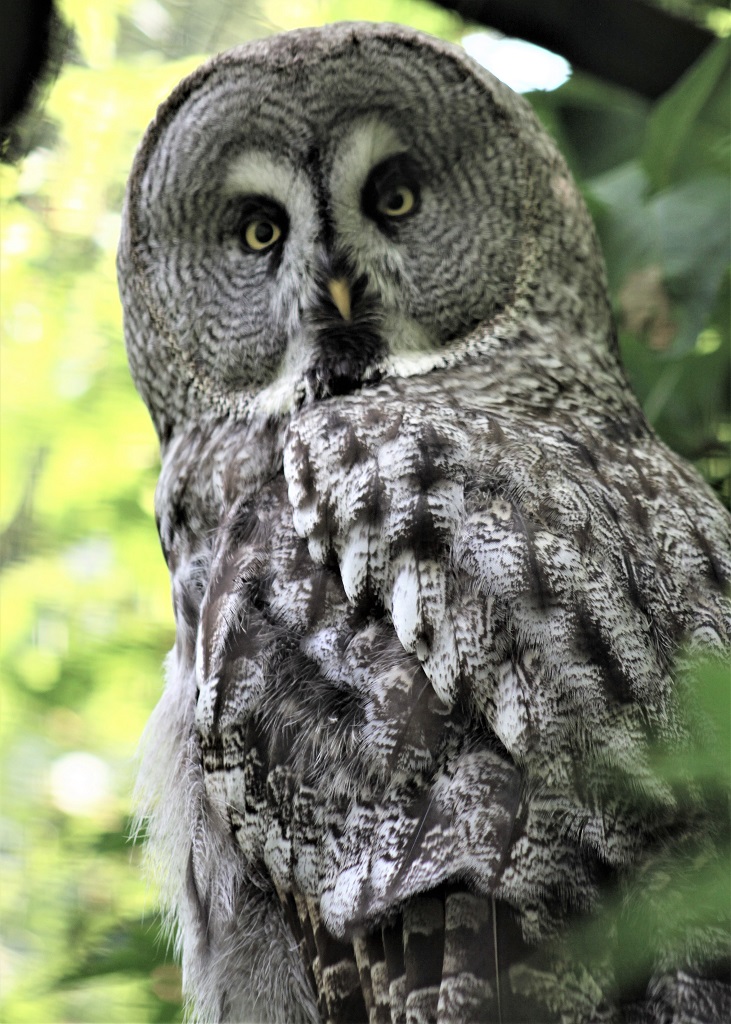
681	233
700	98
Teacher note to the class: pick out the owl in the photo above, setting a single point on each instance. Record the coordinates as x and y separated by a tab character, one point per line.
437	585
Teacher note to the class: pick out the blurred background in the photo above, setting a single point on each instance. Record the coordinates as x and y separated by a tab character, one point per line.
85	615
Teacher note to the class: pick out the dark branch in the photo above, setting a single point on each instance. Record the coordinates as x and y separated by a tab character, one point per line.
632	43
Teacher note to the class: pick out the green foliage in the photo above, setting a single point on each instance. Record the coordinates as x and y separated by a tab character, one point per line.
86	615
657	181
682	888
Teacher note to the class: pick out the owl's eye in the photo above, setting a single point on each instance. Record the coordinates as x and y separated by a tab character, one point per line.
262	224
391	191
400	202
260	234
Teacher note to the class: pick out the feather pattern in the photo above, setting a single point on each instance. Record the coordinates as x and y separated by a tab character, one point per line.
436	582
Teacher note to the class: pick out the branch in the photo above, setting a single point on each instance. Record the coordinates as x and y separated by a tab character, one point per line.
632	43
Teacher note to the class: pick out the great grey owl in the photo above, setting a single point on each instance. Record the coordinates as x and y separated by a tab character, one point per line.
434	576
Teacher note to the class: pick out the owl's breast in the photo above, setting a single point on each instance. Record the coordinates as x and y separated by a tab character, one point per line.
324	746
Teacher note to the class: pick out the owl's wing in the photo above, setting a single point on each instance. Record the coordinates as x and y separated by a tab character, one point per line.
346	785
584	540
544	575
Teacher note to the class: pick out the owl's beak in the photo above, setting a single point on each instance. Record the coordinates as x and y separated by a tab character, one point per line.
340	294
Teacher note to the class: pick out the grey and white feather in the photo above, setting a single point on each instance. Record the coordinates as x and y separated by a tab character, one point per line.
434	576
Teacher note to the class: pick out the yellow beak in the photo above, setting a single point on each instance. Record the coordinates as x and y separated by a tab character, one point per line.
340	294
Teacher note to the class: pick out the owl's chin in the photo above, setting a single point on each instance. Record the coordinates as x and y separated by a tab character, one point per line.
337	383
287	394
296	387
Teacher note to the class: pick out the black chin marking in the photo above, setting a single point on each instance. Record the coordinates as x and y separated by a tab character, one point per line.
345	350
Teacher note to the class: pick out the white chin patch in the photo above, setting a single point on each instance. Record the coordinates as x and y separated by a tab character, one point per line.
279	399
404	336
412	364
287	389
412	349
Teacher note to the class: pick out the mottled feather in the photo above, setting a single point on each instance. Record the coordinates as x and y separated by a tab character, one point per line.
436	581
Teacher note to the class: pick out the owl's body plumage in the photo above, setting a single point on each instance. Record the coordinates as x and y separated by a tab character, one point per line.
433	574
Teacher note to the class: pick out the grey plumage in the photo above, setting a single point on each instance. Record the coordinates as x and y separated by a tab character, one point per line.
433	574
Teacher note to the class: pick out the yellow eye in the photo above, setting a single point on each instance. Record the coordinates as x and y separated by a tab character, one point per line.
261	233
398	202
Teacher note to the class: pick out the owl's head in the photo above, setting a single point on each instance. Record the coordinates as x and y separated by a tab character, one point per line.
315	210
